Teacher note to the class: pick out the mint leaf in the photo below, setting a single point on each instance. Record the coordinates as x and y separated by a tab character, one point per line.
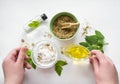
60	63
90	48
94	42
34	24
58	69
31	63
85	44
95	46
58	66
91	39
100	42
99	34
28	53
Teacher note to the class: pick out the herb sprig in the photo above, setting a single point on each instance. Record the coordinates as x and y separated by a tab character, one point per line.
59	65
34	24
28	53
95	41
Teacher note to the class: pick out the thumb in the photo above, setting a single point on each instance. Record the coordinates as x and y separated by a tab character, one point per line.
95	64
21	55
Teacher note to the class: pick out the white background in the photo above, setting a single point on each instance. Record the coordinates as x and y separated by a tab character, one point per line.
103	15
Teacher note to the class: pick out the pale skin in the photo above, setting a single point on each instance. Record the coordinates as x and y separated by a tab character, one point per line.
104	69
14	64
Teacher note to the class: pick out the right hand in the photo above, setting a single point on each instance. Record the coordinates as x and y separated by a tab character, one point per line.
104	69
14	64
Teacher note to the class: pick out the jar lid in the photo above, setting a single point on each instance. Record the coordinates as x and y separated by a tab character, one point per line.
44	16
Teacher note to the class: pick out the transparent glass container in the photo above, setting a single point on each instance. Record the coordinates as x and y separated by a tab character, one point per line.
76	52
34	23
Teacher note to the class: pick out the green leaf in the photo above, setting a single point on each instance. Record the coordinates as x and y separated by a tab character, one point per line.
102	51
91	39
58	69
28	53
58	66
31	63
95	46
90	48
61	63
94	42
100	41
34	24
85	44
99	34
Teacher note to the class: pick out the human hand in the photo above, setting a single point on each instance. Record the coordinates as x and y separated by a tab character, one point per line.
14	64
104	69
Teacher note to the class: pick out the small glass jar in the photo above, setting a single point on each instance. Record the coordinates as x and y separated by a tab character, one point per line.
35	23
76	52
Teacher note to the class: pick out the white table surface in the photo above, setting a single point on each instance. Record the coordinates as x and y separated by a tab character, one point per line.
103	15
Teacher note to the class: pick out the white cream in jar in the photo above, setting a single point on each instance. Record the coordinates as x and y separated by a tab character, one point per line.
44	54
